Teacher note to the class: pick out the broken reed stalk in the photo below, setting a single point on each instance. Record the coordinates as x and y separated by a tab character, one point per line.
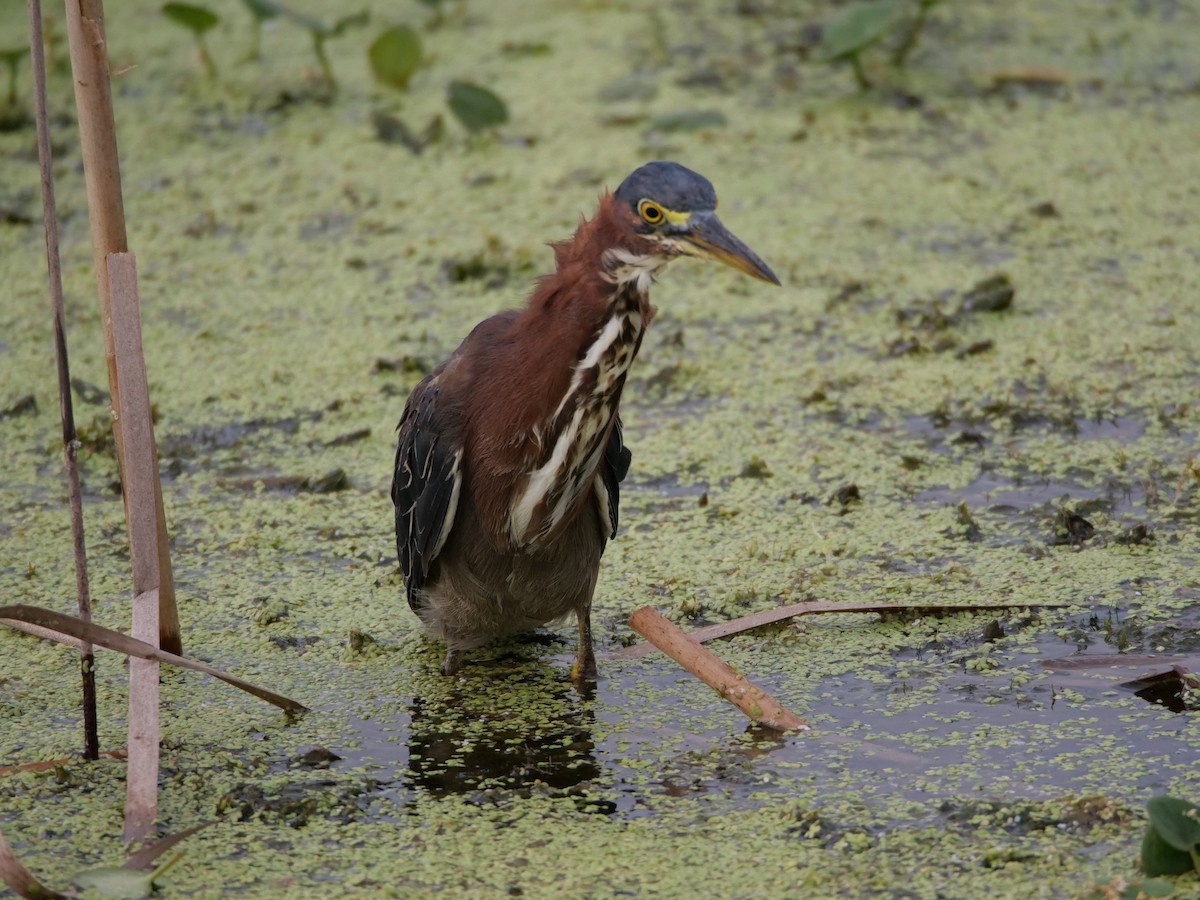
20	879
810	607
106	215
87	657
155	617
55	626
718	675
138	483
46	765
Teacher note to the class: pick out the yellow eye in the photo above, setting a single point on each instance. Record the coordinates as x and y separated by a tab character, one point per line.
651	212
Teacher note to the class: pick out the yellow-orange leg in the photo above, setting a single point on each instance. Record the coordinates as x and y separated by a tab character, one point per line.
585	657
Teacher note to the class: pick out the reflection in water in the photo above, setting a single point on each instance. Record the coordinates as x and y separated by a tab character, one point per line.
489	737
905	731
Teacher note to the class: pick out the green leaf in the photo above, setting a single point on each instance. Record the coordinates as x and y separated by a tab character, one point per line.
1176	821
856	27
1160	858
12	57
194	18
116	881
476	107
395	56
262	9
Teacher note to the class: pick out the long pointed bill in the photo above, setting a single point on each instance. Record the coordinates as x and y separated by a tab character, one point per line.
707	237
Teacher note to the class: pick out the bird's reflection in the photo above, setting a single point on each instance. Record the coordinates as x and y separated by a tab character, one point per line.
518	731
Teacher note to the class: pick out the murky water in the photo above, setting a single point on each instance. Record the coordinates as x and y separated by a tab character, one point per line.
855	435
917	735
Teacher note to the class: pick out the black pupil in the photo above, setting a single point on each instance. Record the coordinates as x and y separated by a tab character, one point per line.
653	213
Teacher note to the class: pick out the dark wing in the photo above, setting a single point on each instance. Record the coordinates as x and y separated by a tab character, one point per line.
425	485
613	469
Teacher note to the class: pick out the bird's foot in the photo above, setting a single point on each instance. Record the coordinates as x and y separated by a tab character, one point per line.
453	662
585	666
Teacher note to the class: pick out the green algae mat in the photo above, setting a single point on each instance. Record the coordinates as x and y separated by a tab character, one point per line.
873	431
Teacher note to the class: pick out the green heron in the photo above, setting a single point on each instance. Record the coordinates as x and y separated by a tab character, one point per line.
510	456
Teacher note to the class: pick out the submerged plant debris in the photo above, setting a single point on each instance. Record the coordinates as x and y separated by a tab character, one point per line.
297	276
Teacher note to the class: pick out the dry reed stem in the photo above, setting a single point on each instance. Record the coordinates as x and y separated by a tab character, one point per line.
106	215
717	674
140	486
58	627
810	607
87	659
20	879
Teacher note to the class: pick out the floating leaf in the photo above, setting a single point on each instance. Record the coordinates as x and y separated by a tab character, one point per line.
476	107
1160	858
395	56
127	882
856	27
116	881
196	19
1176	821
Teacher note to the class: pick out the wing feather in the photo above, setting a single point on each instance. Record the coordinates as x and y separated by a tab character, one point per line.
425	485
613	469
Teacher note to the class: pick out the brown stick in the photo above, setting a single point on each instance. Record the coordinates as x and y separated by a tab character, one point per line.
58	627
106	214
87	656
139	484
780	613
141	776
20	879
144	858
139	480
47	634
709	668
44	765
98	140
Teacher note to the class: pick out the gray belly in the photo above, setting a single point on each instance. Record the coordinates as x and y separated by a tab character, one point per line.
480	593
